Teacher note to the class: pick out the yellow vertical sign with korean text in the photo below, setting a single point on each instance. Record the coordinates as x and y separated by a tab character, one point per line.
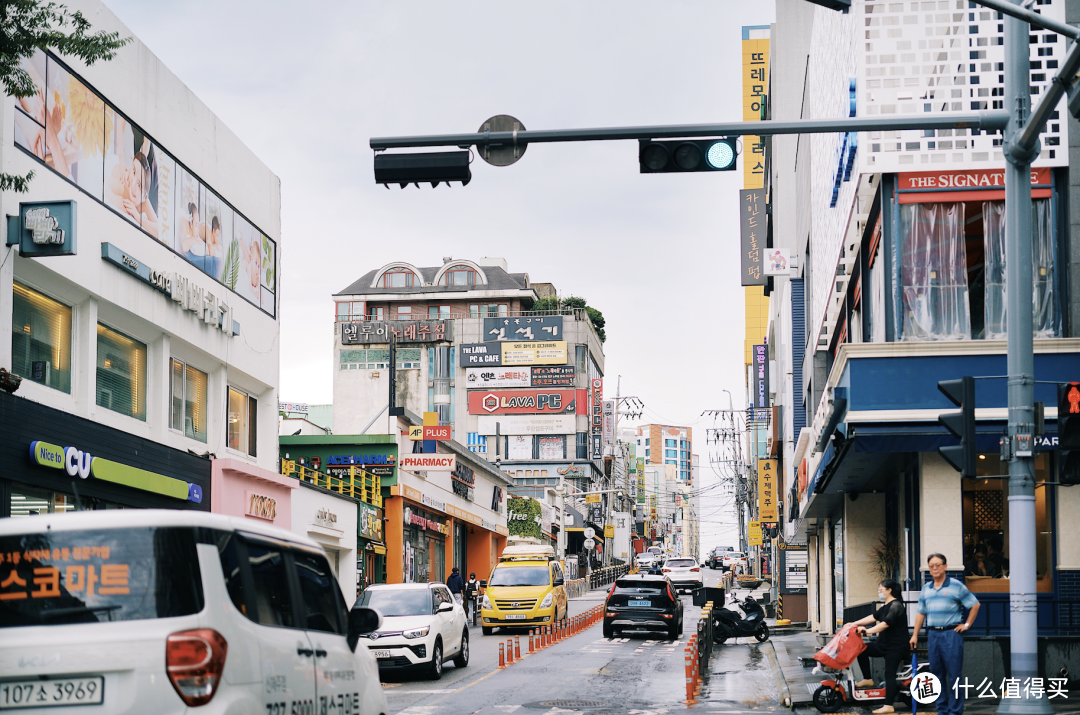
753	534
766	470
755	88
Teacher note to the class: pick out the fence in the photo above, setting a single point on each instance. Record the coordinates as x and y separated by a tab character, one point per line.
606	575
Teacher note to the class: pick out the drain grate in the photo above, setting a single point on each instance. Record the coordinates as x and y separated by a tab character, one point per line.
570	704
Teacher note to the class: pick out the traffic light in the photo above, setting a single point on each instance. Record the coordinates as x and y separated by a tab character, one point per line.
962	424
686	155
1068	427
429	168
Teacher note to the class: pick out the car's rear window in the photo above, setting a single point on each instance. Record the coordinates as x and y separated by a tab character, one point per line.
733	555
681	563
398	601
62	577
636	585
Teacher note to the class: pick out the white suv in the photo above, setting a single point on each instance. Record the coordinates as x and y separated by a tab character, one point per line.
423	627
159	611
684	572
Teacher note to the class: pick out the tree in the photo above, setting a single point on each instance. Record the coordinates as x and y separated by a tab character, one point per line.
29	25
571	302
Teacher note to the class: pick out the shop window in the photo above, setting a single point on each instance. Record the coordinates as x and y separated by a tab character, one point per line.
986	527
399	278
551	446
952	271
121	373
41	339
350	310
499	310
243	417
188	404
438	312
459	276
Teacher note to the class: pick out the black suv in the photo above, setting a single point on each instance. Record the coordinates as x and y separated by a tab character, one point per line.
643	601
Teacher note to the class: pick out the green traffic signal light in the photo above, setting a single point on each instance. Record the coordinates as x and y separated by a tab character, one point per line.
664	157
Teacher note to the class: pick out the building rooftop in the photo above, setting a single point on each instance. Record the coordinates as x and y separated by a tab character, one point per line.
488	277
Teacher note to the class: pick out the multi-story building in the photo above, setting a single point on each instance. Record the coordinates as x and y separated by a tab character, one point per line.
894	242
516	388
138	293
668	444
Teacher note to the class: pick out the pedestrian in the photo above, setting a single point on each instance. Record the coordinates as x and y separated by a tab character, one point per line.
994	546
455	583
889	623
941	605
472	593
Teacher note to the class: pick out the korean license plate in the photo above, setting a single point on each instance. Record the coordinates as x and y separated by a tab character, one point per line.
639	603
381	653
52	693
515	616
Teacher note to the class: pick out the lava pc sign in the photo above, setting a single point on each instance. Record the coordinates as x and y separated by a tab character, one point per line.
525	402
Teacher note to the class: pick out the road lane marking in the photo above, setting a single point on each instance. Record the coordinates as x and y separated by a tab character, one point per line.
423	692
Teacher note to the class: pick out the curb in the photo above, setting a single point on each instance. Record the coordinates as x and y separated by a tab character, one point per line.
778	675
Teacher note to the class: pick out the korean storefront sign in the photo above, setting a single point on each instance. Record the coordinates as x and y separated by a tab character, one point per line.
761	375
767	485
975	185
76	462
752	232
534	353
487	354
463	481
502	377
526	424
191	297
414	519
260	506
404	331
325	518
545	327
44	228
417	496
369	522
596	418
428	462
753	537
516	402
609	422
755	83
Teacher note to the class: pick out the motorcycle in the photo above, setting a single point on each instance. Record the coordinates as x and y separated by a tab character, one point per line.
731	624
839	689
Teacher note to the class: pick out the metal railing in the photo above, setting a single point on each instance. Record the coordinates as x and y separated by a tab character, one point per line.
606	575
357	484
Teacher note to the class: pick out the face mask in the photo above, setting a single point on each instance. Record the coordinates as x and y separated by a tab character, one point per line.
881	595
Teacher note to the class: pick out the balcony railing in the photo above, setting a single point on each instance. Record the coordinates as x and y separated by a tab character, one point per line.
357	484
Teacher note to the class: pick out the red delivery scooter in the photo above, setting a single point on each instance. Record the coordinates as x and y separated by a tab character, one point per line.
840	657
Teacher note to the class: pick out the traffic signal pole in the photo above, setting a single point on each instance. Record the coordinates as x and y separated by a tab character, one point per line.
1020	146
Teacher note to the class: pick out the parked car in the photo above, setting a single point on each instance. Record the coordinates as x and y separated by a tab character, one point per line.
736	560
684	572
159	611
423	627
643	602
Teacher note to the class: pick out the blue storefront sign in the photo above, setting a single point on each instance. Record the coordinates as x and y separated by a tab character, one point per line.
44	228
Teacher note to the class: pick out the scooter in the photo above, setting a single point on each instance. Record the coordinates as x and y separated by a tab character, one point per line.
730	624
840	691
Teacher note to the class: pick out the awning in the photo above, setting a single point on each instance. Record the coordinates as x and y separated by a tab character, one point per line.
376	546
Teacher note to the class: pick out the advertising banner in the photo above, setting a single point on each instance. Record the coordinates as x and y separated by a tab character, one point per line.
498	377
534	353
553	376
609	422
760	356
404	331
767	485
479	354
510	402
754	534
526	424
541	327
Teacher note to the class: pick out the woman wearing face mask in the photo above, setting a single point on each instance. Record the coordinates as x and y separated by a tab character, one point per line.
889	623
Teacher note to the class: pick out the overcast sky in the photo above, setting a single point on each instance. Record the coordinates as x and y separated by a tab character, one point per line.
306	85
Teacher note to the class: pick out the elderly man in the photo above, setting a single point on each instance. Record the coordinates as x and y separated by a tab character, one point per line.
941	606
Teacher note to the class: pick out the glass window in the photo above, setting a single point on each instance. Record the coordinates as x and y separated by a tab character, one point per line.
243	410
671	453
378	313
670	443
188	408
582	445
647	452
273	602
121	373
646	441
459	276
399	278
439	312
229	554
581	356
986	528
404	311
350	310
41	339
499	310
322	604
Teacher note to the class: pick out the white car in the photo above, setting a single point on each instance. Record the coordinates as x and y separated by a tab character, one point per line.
684	572
734	559
159	611
652	557
423	627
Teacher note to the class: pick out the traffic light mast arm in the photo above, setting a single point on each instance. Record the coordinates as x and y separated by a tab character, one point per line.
989	120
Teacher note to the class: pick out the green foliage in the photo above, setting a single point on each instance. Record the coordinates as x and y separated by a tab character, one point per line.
570	303
29	25
523	516
268	263
230	274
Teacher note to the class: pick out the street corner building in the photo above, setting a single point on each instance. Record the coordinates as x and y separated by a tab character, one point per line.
139	291
453	361
883	273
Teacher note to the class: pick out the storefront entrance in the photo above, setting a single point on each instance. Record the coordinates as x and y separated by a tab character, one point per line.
424	556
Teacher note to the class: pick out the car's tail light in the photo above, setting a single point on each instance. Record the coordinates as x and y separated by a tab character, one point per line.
194	661
667	570
695	569
609	593
671	595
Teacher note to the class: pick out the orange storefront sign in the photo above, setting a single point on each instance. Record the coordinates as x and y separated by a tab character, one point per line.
922	187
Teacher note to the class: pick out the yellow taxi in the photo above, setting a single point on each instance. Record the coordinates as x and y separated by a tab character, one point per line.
526	588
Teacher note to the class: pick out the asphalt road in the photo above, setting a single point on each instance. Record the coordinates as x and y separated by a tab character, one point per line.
637	675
